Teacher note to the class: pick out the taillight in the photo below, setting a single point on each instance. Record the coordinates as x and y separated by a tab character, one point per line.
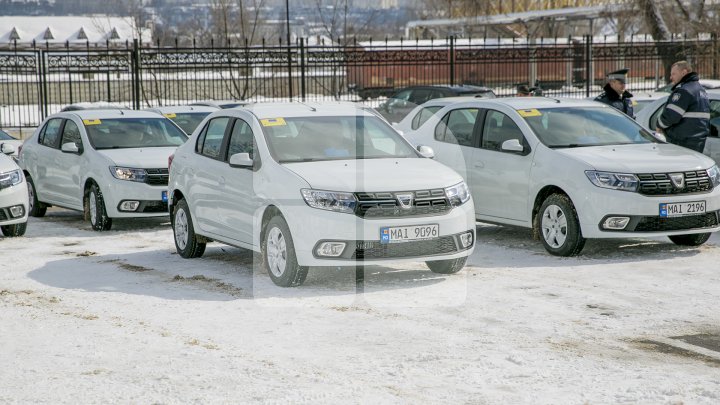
170	159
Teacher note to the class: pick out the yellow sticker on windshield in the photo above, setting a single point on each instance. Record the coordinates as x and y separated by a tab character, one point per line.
170	115
272	122
529	113
92	122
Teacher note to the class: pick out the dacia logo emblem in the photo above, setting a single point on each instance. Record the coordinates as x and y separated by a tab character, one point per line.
678	180
405	200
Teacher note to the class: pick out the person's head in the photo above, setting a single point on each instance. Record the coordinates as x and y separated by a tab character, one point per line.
617	80
679	70
523	91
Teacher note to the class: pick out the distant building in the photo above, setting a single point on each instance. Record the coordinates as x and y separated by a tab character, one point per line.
73	30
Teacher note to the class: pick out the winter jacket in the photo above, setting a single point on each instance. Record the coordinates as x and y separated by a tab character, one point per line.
685	119
612	98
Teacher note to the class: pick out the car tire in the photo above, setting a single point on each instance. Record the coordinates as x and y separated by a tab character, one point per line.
36	208
278	252
95	207
186	240
14	230
695	239
558	227
451	266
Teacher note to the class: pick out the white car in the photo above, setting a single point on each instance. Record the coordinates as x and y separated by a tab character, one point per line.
574	169
107	163
187	117
648	118
313	184
13	195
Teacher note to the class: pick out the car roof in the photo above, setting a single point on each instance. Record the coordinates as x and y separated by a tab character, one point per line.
460	88
182	109
219	103
526	103
305	109
113	114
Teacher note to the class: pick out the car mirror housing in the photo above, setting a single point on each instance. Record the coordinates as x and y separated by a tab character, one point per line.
7	149
426	151
241	160
512	145
660	137
70	147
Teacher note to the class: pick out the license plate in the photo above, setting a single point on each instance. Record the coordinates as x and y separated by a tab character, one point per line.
164	196
398	234
680	209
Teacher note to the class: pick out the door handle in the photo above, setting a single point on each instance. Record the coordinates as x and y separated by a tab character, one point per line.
479	164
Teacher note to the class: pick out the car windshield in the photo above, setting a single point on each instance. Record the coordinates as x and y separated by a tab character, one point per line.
570	127
304	139
123	133
188	121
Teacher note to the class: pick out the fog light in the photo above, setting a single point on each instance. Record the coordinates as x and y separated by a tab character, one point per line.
616	223
129	205
466	239
330	249
17	211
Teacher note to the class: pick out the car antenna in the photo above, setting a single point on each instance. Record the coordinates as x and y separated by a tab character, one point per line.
313	109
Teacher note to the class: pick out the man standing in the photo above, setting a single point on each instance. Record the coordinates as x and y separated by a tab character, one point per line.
686	117
523	91
615	94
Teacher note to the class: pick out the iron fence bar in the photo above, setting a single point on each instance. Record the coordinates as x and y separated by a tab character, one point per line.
302	68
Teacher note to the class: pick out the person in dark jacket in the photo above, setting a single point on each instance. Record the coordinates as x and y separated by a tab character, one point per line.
685	121
615	94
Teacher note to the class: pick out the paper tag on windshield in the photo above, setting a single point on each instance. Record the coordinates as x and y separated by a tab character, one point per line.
529	113
170	115
272	122
92	122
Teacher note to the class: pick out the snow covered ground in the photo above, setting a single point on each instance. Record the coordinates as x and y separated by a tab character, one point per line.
119	317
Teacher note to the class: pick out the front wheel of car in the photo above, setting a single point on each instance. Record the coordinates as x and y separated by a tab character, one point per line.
14	230
95	206
447	266
186	241
558	226
35	208
279	255
696	239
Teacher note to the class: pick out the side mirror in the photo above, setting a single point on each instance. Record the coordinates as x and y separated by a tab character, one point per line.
512	145
660	137
241	160
398	130
7	149
426	151
70	147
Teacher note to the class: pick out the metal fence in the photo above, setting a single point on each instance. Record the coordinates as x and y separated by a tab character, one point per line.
37	80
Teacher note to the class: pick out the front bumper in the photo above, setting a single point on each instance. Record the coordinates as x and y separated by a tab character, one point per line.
150	199
12	197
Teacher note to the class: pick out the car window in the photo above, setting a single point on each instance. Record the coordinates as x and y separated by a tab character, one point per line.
420	96
403	95
50	134
423	115
241	139
300	139
714	117
652	123
4	136
124	133
188	121
499	128
569	127
209	143
71	134
457	126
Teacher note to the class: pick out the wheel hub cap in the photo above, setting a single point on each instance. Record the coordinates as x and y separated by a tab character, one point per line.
181	229
554	226
276	252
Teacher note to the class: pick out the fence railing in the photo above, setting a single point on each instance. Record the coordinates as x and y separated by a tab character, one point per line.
36	80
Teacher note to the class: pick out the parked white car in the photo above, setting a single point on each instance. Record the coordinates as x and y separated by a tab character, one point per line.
13	195
107	163
311	184
187	117
574	169
648	118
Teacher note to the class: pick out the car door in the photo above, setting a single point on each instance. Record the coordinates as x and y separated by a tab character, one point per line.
69	167
239	201
209	168
44	172
454	137
499	179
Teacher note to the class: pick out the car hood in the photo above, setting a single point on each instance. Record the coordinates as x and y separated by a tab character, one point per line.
373	175
644	158
141	158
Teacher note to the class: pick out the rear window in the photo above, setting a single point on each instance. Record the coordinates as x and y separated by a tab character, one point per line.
189	121
123	133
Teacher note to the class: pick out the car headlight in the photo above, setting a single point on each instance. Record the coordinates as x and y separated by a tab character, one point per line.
714	174
615	181
458	194
330	200
9	179
126	173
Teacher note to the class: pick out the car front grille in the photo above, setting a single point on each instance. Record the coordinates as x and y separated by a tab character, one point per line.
3	215
377	250
695	181
157	177
154	206
660	224
387	204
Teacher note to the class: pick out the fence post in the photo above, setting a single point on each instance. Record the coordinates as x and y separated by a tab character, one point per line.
302	68
135	74
714	42
289	69
589	74
452	60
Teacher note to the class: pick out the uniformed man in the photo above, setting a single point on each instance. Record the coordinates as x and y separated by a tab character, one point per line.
686	117
615	94
523	91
